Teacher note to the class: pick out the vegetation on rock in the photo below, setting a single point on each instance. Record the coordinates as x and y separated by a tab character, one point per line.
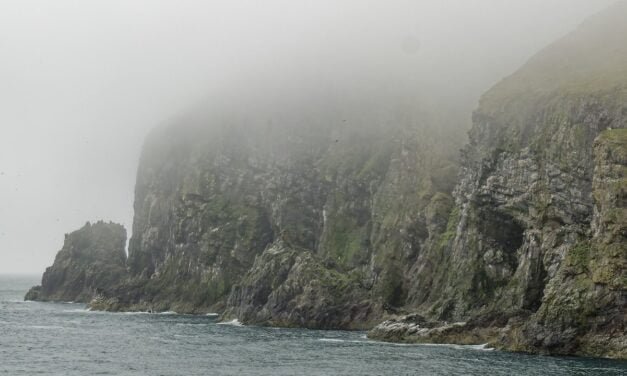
343	220
540	239
92	259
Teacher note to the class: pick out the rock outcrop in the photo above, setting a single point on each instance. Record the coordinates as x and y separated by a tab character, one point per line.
282	225
537	236
583	306
313	217
288	287
93	258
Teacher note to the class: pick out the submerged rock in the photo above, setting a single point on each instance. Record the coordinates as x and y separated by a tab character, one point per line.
92	259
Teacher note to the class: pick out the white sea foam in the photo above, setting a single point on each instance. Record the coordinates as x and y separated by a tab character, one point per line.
80	310
483	347
149	313
234	322
364	341
96	312
212	314
89	310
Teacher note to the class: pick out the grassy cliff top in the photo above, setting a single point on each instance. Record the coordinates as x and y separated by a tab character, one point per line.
590	60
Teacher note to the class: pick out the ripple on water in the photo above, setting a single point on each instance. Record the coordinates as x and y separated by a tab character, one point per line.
45	327
62	340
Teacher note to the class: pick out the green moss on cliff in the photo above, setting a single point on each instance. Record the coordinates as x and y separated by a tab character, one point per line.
92	260
345	241
579	256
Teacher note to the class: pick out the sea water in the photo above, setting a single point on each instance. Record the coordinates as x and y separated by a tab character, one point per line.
67	339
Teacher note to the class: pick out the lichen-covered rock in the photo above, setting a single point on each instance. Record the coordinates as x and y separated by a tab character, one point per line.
93	258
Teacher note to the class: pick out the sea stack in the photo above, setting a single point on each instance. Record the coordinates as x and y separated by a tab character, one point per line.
92	259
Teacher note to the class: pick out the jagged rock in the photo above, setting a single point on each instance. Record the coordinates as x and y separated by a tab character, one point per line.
584	309
287	287
537	234
486	329
320	223
349	200
93	258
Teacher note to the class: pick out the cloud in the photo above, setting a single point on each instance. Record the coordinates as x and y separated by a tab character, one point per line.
84	81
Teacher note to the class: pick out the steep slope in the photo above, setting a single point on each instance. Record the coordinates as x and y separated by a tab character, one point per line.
336	213
229	218
584	307
535	253
92	258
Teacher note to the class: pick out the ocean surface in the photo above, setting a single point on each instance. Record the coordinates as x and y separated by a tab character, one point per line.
66	339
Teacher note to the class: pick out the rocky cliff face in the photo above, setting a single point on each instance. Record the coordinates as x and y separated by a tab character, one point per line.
567	294
345	219
584	306
534	259
92	258
315	225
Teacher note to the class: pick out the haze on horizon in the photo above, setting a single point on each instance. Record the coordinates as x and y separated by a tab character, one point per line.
83	82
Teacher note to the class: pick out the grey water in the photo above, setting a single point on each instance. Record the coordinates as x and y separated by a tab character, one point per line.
66	339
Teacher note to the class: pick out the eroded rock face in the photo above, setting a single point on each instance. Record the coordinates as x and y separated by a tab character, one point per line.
582	308
339	224
537	235
287	287
346	203
92	259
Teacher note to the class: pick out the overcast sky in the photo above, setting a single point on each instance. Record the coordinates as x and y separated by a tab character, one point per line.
83	81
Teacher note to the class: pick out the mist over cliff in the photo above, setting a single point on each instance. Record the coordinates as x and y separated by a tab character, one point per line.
84	82
433	172
293	204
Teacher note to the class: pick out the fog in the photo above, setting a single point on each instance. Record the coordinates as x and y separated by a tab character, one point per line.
83	82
